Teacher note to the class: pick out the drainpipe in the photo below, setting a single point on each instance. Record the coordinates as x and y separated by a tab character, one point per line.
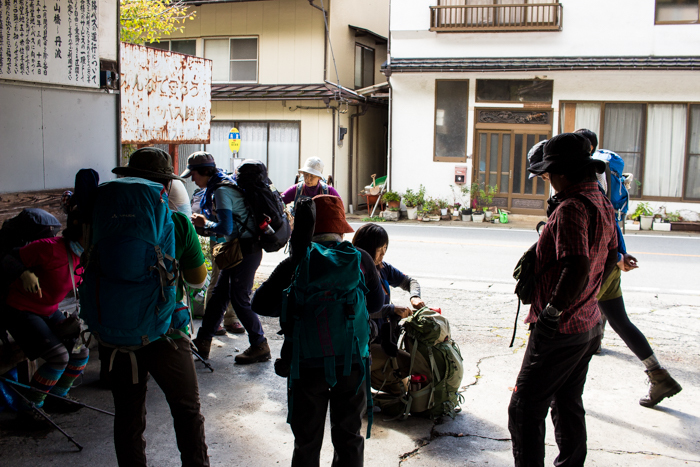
387	73
333	142
325	39
119	94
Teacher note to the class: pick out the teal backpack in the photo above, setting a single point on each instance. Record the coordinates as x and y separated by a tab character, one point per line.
326	306
127	296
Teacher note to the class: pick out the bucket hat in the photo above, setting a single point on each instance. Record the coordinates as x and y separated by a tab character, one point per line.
330	215
197	160
313	166
148	162
565	154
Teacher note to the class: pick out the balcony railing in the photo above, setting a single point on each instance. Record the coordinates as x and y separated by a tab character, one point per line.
495	18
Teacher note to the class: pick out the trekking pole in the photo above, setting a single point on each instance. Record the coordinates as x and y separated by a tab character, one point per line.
194	352
65	399
41	412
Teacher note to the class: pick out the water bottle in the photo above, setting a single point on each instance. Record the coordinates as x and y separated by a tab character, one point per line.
265	226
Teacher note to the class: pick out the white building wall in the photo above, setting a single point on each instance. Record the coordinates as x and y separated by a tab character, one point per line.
590	28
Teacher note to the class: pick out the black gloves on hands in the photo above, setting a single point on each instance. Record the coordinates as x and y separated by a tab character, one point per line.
547	323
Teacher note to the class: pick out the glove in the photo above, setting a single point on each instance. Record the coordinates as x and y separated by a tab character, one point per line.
548	322
30	282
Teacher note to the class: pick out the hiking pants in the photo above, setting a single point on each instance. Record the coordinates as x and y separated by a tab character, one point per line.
308	403
234	284
551	374
173	370
614	311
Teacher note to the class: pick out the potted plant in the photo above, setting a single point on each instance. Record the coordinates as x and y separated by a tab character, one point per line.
645	215
455	211
410	199
486	198
392	199
431	210
442	205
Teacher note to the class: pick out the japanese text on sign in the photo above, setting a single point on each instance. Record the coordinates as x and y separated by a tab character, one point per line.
50	41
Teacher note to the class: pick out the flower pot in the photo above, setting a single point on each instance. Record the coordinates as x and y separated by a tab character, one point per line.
443	211
662	226
488	215
631	226
434	218
478	217
467	217
412	213
426	219
645	222
393	204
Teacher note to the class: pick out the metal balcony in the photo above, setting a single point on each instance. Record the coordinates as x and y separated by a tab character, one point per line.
496	18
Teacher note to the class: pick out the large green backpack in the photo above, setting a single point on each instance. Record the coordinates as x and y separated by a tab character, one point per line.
326	307
426	337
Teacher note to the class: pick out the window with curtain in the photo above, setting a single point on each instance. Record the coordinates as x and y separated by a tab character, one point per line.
624	134
451	121
692	174
665	150
234	59
677	11
364	66
274	143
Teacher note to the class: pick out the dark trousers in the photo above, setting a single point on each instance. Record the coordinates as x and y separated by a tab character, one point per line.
614	311
309	398
551	374
174	371
234	285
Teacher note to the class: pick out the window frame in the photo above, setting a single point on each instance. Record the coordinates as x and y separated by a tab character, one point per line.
437	158
170	45
549	103
656	20
230	38
362	65
601	142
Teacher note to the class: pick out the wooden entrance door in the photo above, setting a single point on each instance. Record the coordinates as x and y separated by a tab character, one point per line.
501	160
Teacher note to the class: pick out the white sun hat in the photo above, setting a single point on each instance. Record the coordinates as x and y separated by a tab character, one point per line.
313	166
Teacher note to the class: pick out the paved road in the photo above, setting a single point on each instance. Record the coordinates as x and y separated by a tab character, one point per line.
245	406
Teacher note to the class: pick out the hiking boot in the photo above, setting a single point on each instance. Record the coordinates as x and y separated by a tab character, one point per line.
202	346
235	328
661	387
254	354
220	332
55	405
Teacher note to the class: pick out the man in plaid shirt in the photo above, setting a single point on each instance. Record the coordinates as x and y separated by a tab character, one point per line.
577	247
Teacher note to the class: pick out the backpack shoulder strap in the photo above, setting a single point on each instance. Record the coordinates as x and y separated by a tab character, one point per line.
324	187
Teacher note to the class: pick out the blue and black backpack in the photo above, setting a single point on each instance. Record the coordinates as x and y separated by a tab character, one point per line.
127	296
617	191
327	307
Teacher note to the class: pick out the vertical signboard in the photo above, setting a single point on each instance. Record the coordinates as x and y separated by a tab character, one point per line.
50	41
165	96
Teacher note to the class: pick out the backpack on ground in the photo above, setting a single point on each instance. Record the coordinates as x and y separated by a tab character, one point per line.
436	369
617	189
127	296
326	312
272	224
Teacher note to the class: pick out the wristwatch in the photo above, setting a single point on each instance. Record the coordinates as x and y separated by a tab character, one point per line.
551	311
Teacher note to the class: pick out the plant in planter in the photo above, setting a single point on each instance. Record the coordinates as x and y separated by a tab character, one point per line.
442	205
645	215
410	199
674	217
392	199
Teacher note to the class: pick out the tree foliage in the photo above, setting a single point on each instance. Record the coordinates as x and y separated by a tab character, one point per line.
149	20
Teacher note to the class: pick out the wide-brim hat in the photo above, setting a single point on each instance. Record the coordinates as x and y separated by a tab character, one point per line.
330	215
198	160
313	166
566	154
149	162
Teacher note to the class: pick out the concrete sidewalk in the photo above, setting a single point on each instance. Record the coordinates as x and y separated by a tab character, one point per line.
245	406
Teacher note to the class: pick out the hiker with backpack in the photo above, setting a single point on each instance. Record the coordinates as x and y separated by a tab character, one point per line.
577	247
312	185
42	273
610	301
324	293
375	240
140	257
225	213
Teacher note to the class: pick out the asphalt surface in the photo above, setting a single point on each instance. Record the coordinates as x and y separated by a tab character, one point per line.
245	406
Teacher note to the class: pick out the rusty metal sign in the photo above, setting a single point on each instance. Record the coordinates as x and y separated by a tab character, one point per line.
165	96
